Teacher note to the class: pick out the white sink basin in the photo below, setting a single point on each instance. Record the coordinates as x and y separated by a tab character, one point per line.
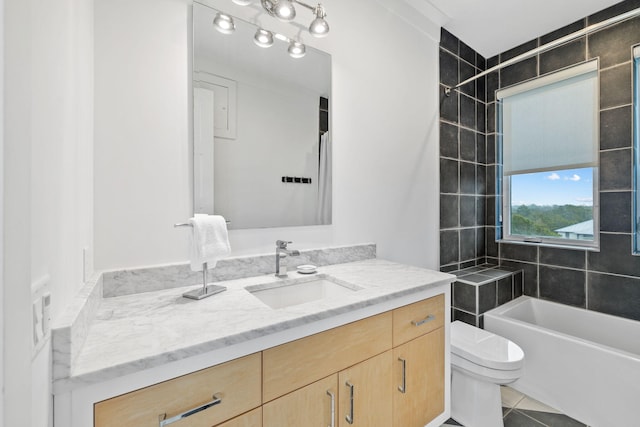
292	292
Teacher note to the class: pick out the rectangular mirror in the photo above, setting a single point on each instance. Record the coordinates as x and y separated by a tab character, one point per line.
262	146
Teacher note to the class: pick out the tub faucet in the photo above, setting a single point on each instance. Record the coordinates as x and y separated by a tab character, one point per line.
281	254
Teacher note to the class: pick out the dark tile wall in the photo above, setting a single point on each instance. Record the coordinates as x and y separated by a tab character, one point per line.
479	289
607	280
462	157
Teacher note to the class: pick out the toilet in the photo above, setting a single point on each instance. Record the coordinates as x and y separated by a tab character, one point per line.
480	362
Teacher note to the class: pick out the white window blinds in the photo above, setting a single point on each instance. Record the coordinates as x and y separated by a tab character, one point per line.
551	123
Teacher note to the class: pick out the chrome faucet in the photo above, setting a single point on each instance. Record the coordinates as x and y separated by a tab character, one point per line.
281	254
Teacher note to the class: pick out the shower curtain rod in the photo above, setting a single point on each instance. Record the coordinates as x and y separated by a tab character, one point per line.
590	29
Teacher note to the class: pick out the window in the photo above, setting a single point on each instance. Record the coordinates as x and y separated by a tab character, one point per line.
636	149
549	139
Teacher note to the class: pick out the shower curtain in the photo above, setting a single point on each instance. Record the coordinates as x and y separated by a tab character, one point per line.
324	180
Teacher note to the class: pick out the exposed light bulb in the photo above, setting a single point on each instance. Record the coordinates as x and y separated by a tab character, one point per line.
263	38
319	27
224	23
296	49
284	10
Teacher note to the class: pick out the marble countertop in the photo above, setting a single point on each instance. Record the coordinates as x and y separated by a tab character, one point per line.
134	332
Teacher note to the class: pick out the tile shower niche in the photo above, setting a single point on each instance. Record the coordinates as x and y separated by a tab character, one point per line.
481	288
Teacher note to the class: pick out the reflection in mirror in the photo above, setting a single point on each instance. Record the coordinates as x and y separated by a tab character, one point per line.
262	147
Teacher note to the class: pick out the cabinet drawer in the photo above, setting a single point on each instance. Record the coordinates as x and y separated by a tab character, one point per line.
301	362
417	319
235	383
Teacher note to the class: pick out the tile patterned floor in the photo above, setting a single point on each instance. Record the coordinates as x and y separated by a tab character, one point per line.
522	411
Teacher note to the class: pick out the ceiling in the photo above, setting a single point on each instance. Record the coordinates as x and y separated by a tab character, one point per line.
494	26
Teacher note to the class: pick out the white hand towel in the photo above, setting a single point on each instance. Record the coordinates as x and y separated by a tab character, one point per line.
209	242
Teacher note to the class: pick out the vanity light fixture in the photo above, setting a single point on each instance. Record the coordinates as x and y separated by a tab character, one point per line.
263	38
296	49
282	38
224	23
285	11
319	26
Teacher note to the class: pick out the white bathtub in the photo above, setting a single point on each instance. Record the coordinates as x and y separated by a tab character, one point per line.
583	363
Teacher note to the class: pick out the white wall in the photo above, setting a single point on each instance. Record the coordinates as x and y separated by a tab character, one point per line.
142	153
16	241
47	182
385	109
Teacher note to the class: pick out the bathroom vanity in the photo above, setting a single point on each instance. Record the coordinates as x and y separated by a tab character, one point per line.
375	356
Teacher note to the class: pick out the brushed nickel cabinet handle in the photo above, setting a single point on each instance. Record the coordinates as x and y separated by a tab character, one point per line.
427	319
349	417
164	421
333	408
403	387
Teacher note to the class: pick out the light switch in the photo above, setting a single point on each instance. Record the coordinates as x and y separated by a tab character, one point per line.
38	331
40	309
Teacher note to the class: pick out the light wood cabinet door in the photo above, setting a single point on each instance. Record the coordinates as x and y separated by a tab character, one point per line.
291	366
235	383
418	380
250	419
312	406
365	393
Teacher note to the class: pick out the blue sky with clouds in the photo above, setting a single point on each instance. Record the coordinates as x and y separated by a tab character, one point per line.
567	187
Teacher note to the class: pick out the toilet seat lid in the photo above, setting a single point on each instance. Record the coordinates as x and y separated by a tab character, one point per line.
485	348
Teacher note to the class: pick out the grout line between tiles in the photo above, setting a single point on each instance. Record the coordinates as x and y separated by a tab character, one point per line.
531	418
